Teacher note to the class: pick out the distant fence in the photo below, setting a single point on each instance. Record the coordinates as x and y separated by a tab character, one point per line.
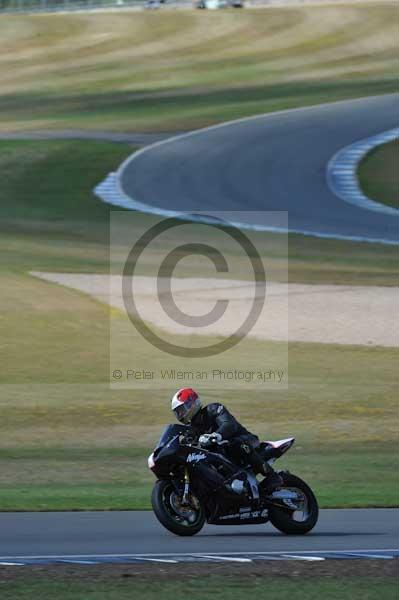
36	6
13	6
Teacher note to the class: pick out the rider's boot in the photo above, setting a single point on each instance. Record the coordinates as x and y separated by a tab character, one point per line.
272	479
272	482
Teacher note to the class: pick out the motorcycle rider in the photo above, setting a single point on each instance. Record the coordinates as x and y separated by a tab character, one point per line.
214	423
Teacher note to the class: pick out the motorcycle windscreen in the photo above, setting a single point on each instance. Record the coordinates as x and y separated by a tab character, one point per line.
170	432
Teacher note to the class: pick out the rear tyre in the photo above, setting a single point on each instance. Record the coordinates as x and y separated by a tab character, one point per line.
296	522
178	519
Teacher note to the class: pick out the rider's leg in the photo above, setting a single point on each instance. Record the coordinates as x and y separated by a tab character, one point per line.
243	451
272	479
248	448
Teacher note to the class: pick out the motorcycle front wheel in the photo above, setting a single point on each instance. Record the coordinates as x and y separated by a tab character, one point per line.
296	522
179	519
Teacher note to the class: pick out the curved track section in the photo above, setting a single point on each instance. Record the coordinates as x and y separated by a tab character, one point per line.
274	162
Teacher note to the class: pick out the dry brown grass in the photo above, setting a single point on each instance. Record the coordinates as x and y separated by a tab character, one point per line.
115	68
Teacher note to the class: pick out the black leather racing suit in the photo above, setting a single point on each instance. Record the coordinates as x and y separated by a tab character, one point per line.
215	418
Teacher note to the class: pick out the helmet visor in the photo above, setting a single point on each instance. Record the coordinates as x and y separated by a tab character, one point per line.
182	412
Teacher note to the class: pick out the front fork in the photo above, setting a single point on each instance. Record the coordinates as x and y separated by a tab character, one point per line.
185	500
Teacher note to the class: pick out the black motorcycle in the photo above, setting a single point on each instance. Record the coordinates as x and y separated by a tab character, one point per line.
197	485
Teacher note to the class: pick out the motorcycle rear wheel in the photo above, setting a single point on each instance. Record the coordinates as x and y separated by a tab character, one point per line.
284	519
168	513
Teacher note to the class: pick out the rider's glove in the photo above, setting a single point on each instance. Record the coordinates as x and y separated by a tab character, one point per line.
207	439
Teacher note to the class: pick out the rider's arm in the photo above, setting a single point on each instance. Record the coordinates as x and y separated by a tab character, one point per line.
225	423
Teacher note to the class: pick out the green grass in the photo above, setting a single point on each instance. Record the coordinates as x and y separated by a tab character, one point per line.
226	588
341	474
178	70
379	174
68	441
60	176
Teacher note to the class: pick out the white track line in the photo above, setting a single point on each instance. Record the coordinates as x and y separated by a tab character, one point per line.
160	560
198	554
108	193
385	556
301	557
224	558
77	562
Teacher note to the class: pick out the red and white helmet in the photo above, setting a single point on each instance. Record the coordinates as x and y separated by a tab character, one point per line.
185	404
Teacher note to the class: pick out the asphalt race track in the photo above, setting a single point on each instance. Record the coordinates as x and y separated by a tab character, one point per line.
367	531
275	162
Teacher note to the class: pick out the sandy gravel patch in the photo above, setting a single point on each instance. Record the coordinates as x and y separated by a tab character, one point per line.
328	314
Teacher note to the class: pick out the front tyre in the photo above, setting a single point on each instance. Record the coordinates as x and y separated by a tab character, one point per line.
296	522
169	511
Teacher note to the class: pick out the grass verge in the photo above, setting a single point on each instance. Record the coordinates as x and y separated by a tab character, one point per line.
379	175
231	588
342	476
